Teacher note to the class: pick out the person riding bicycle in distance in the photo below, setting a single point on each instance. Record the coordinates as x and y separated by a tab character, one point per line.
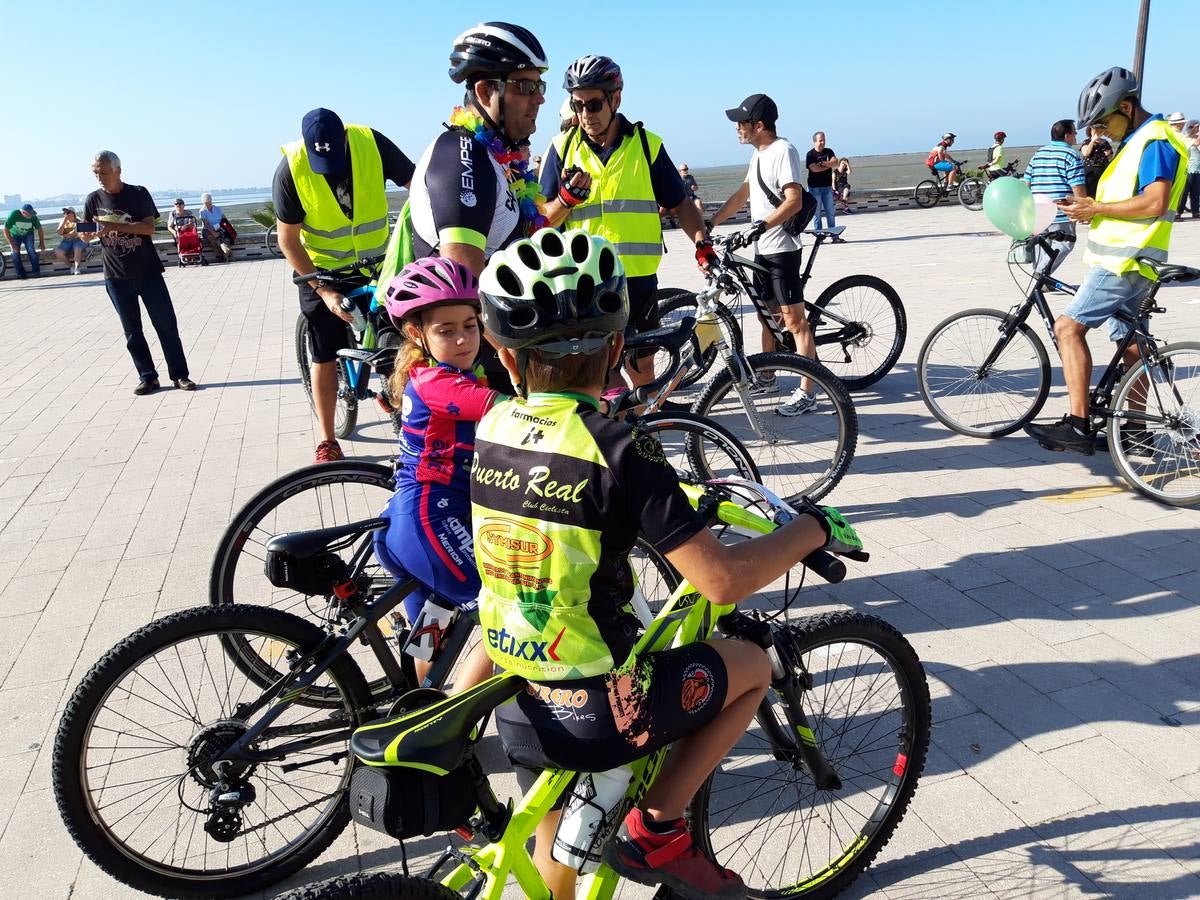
940	161
559	494
1131	216
994	167
610	176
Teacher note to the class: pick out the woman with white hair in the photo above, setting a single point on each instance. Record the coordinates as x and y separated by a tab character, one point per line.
215	237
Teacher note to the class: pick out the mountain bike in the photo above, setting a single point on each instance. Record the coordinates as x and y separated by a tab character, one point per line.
271	237
858	322
928	192
799	807
369	349
984	373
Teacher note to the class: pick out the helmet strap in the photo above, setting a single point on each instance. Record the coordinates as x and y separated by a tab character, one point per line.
496	128
522	363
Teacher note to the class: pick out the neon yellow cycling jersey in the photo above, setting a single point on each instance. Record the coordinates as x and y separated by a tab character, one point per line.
559	494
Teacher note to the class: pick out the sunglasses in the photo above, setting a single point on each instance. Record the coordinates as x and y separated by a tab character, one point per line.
592	106
526	87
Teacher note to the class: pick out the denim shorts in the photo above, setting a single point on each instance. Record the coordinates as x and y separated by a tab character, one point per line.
1102	294
71	243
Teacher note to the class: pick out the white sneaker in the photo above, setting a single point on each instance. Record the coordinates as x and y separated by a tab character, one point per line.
764	385
798	404
75	270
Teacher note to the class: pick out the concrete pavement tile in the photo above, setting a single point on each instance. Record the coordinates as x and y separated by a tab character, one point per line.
1137	728
1038	664
18	487
49	555
1039	617
28	714
936	874
1115	778
49	656
39	845
27	593
14	633
14	777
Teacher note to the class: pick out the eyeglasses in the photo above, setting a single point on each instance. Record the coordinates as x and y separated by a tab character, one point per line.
592	106
526	87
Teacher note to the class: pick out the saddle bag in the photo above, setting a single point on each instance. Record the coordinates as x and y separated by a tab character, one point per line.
312	575
407	803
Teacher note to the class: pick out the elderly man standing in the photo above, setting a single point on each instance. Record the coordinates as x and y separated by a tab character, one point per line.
18	231
213	233
610	176
126	215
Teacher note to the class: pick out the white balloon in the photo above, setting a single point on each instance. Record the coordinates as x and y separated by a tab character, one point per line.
1044	212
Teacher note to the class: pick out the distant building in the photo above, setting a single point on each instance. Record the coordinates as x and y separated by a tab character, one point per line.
12	201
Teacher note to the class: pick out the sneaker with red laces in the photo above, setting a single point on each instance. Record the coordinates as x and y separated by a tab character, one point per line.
649	857
329	451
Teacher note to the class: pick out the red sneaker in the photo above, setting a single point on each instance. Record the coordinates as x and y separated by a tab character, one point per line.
329	451
648	857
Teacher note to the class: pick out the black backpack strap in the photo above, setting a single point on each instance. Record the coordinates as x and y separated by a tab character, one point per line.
776	201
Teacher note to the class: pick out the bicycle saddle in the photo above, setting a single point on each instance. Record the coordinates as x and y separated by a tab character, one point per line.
434	738
1167	273
671	338
301	544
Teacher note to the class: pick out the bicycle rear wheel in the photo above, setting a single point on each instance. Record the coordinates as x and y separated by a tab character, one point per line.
761	814
272	240
372	886
680	303
345	412
801	454
134	758
927	193
318	496
699	449
1154	439
970	192
979	401
872	337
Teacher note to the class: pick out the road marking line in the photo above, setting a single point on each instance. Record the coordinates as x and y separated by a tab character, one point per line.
1090	493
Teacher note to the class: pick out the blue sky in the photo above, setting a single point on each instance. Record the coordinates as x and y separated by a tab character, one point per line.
201	94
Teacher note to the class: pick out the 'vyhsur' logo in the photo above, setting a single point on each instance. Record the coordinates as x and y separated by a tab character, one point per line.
512	542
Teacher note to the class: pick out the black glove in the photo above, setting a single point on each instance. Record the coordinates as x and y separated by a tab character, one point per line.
569	195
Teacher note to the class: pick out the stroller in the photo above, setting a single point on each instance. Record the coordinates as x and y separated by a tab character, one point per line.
187	242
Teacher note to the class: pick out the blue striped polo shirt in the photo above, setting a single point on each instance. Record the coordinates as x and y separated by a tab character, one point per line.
1053	171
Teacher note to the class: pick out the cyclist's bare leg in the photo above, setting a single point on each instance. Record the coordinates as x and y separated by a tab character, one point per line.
1137	397
693	758
795	321
1076	362
324	388
768	337
644	374
559	878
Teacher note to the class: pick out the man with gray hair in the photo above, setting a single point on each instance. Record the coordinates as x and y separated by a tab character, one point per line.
214	233
126	216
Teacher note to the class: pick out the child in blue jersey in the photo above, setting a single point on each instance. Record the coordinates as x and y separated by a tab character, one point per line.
435	304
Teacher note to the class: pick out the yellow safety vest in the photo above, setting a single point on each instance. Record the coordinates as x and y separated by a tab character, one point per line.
1115	244
330	238
621	205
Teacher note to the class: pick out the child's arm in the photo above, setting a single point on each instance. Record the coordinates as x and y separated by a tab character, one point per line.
454	395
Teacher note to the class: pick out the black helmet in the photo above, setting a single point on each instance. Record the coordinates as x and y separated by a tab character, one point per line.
592	71
560	293
493	50
1104	92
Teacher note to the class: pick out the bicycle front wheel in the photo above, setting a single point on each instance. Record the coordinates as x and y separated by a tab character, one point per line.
927	193
761	814
1154	438
135	769
699	449
864	345
318	496
345	413
272	241
970	193
972	396
796	452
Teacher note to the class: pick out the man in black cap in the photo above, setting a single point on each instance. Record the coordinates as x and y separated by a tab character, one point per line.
331	207
772	186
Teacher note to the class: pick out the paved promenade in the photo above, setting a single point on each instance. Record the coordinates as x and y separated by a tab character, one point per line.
1057	612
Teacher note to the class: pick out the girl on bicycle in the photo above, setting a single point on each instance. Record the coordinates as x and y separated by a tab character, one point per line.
434	303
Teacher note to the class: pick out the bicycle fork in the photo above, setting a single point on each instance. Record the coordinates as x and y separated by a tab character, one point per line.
743	378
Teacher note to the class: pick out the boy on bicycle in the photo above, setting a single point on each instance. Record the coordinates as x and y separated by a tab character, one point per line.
559	494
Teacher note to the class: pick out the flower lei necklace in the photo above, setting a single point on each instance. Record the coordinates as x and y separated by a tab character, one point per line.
521	183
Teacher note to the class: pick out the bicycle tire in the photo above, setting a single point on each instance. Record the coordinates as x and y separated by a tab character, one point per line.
345	411
927	193
685	305
271	238
709	449
977	415
970	193
372	886
1165	464
3	264
317	496
819	454
874	304
89	818
881	775
657	578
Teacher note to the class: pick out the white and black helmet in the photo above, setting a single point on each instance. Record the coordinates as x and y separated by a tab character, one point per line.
493	50
1104	92
559	293
591	71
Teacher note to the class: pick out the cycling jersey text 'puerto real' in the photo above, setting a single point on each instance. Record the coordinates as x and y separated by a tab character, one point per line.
538	482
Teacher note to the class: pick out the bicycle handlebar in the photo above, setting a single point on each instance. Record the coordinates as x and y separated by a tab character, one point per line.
353	268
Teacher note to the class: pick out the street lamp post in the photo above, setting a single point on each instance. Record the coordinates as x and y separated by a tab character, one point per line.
1139	47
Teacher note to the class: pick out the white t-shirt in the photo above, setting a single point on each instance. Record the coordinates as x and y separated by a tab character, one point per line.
779	163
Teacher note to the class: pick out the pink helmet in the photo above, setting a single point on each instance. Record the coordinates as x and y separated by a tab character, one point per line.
429	282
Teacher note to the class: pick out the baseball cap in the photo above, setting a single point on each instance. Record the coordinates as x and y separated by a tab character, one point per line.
755	108
28	207
68	209
1175	117
325	140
